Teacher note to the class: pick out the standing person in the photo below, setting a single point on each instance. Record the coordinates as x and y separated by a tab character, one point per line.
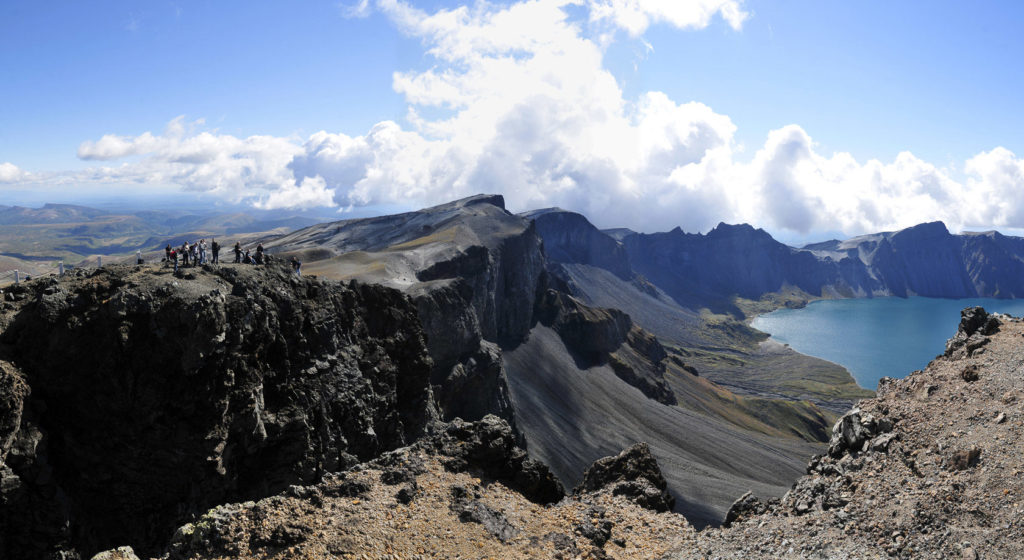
238	252
259	254
202	251
167	254
184	254
172	256
215	248
194	249
297	266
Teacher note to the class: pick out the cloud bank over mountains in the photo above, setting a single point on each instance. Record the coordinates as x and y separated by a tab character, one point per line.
518	101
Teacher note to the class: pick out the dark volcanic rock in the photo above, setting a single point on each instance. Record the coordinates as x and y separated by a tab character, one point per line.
490	447
595	527
746	506
154	399
856	431
13	391
975	326
598	336
590	333
474	511
633	473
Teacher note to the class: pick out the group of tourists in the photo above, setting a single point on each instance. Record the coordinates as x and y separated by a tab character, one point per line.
196	253
193	254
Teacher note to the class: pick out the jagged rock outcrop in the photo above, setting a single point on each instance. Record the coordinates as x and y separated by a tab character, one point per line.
490	446
154	397
590	333
975	327
119	553
633	473
598	336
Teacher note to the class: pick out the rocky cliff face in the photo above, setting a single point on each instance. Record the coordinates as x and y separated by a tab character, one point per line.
570	238
729	261
146	398
473	270
924	260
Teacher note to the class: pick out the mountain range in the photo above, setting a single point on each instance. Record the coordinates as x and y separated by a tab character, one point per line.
556	338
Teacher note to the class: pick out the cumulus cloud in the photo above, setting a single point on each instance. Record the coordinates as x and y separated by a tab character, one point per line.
253	169
10	173
517	100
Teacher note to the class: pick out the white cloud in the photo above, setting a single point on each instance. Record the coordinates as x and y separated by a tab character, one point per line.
517	100
10	173
635	16
253	168
312	192
360	9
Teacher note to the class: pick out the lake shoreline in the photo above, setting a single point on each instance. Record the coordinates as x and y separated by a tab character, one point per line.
876	337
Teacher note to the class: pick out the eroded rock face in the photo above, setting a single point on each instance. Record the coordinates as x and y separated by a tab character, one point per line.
598	336
490	446
976	325
13	391
634	473
590	333
154	397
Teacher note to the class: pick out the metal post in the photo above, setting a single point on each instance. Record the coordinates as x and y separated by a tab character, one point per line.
60	268
16	279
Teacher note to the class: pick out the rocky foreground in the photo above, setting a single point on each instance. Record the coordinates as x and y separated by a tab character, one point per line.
931	468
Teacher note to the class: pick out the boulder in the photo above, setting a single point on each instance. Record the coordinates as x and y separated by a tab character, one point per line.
856	431
489	447
746	506
633	473
121	553
976	325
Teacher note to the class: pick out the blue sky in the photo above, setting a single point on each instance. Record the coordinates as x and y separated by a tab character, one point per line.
937	80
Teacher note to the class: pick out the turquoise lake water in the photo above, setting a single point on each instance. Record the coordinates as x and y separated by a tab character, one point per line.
875	338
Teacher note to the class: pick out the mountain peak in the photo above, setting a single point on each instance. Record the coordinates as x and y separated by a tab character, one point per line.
736	230
934	228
